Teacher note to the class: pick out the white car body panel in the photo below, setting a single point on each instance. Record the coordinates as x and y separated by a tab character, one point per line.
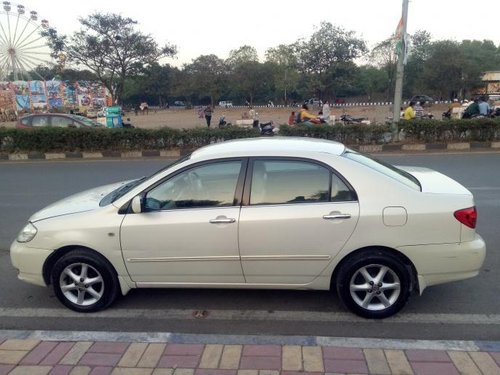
157	247
295	243
84	201
435	182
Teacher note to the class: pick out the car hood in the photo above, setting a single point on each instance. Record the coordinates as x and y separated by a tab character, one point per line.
84	201
432	181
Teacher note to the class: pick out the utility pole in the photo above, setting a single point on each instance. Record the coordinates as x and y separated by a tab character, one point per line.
398	90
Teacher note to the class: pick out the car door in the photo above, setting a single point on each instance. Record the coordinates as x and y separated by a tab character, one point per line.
297	216
187	232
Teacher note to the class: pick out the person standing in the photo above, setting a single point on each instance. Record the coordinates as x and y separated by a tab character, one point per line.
254	116
484	107
409	113
419	110
472	110
326	111
208	111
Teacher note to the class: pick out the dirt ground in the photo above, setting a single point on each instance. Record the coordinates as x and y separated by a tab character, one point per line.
188	118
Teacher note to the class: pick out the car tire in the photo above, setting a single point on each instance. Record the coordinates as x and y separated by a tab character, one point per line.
84	281
374	284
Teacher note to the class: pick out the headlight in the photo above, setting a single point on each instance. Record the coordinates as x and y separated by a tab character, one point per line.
27	233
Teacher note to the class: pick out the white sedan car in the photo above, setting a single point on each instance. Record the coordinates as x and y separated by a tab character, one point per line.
281	213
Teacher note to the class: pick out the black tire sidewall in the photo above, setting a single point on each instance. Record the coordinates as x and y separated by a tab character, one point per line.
349	268
101	265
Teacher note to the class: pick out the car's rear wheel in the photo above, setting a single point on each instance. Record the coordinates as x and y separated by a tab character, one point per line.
374	284
84	281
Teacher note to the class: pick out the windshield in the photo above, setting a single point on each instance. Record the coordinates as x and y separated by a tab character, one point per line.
120	192
385	168
86	121
124	189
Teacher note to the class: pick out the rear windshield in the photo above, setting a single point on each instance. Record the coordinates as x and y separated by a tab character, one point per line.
384	168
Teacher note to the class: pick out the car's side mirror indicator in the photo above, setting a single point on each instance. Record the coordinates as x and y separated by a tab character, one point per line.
137	204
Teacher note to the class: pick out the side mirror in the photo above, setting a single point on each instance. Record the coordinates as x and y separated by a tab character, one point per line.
136	204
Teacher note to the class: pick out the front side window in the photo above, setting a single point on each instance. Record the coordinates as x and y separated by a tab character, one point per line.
40	121
208	185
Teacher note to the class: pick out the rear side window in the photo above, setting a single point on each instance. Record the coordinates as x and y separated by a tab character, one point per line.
62	122
384	168
285	182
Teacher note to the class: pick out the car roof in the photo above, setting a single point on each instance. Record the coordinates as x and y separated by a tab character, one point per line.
268	146
79	119
48	114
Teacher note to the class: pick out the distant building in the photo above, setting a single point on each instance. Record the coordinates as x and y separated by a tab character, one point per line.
492	82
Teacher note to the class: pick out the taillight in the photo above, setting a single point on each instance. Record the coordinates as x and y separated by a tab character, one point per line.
467	216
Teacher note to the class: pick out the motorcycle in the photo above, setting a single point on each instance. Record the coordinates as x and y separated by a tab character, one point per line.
223	123
267	128
348	119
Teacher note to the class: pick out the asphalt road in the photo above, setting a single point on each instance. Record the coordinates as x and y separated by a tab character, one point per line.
465	310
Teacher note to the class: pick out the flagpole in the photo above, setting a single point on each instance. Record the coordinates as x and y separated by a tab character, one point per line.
398	90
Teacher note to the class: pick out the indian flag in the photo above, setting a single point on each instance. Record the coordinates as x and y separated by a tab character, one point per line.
402	41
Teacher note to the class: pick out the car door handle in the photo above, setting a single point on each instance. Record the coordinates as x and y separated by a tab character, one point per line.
222	220
336	215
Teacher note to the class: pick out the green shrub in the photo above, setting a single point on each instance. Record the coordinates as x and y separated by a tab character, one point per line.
430	131
348	134
78	140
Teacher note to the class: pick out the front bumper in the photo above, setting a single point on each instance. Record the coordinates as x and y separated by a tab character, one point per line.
443	263
29	262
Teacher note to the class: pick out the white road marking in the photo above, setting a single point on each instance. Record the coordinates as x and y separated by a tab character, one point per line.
253	315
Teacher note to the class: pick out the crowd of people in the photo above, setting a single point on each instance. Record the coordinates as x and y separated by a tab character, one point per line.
303	116
415	110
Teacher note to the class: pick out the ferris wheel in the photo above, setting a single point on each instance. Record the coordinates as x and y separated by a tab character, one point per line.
23	48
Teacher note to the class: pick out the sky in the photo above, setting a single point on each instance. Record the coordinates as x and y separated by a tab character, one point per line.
201	27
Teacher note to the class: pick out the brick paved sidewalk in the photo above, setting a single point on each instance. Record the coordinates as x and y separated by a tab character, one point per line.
37	357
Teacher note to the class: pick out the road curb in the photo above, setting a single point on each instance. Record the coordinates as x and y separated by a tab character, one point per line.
92	155
175	153
187	338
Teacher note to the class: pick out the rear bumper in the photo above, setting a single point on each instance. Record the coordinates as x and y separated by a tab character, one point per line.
443	263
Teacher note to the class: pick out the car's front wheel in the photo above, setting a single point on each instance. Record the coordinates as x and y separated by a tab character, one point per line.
374	284
84	281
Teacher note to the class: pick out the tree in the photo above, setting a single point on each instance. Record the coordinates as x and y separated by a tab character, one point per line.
385	57
284	64
420	50
153	85
245	70
205	76
73	75
371	81
242	55
109	46
444	69
479	56
327	47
